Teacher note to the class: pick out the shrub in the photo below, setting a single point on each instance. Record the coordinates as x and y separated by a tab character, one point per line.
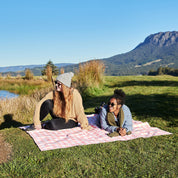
8	76
49	73
28	74
18	76
38	94
62	70
89	75
21	108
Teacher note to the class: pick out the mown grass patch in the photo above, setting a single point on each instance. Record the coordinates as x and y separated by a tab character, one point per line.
151	99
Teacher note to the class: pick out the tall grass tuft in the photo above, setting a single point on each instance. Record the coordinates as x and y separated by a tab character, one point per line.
18	76
38	94
90	75
49	72
19	109
8	76
62	70
28	74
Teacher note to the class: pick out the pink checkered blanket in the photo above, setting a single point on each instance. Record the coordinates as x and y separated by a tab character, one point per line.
49	140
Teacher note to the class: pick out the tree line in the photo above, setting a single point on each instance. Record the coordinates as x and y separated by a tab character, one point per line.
49	69
164	71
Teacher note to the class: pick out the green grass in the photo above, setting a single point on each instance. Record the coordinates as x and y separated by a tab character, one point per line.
151	99
22	87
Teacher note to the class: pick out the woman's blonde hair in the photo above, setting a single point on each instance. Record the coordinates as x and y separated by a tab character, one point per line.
62	102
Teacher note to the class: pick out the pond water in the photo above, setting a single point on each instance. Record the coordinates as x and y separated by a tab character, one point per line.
6	94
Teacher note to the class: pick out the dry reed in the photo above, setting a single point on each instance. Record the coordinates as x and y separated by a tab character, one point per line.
62	70
39	94
90	74
21	108
28	74
49	72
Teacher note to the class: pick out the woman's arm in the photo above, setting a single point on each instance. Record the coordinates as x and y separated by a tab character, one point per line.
103	122
127	124
36	117
79	110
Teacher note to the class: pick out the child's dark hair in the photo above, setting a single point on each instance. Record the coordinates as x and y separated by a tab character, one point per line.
119	95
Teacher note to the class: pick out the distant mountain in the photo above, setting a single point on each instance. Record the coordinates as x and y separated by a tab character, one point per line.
160	49
36	69
17	68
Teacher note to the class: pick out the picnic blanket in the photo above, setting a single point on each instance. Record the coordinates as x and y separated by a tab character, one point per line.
50	139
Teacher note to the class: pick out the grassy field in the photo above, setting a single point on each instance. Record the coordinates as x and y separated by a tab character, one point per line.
151	99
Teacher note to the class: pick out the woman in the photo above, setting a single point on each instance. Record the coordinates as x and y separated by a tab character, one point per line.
116	117
64	105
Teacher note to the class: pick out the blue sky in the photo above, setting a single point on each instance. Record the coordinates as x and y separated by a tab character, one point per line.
73	31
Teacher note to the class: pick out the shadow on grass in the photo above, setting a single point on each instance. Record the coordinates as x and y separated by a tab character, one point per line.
155	105
145	83
92	102
9	122
145	106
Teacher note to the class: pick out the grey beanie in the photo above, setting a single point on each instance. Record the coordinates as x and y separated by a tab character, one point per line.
65	78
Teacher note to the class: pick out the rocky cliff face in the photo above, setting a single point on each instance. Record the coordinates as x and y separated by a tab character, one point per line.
162	39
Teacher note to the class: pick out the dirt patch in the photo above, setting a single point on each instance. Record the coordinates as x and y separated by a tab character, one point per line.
5	150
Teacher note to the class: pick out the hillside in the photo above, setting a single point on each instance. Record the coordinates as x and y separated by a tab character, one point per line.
160	49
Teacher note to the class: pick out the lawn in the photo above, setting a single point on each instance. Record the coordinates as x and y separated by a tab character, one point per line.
151	99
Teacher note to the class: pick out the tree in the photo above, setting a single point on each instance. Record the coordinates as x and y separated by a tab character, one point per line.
54	68
152	72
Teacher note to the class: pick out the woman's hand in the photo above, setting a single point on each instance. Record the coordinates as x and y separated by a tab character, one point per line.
122	131
38	127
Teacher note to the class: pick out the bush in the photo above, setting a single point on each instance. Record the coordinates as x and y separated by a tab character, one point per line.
28	74
21	108
90	75
8	76
62	70
49	73
18	76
